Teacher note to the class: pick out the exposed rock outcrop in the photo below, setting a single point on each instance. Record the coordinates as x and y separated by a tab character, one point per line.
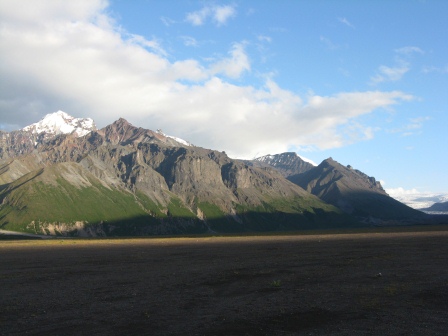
128	180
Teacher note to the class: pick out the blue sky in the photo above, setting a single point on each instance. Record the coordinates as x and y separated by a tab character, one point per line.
364	82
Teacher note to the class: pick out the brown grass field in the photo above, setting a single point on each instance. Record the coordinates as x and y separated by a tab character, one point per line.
385	283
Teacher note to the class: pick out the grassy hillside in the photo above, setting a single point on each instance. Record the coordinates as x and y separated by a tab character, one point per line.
52	196
65	199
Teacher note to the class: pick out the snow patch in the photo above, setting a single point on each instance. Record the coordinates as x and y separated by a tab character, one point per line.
182	141
282	159
179	140
62	123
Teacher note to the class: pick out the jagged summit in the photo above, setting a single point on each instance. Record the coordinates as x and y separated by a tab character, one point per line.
122	122
288	163
284	157
122	131
61	123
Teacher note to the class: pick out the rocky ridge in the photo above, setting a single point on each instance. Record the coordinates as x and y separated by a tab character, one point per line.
124	179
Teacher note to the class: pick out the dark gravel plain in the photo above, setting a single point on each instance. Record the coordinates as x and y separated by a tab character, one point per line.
393	283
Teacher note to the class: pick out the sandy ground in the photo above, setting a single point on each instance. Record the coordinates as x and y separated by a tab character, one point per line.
345	284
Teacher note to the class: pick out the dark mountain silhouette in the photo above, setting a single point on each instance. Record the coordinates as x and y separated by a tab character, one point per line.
438	207
353	192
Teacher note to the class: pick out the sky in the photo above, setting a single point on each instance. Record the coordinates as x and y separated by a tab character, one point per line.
363	82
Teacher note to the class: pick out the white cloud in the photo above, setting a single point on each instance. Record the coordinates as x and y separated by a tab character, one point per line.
26	12
346	22
235	65
198	18
79	61
418	122
219	14
415	198
223	13
396	192
429	69
167	21
154	45
386	73
264	38
409	50
402	59
413	127
190	41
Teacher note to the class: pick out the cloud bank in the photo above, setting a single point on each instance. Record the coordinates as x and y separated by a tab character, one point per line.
72	56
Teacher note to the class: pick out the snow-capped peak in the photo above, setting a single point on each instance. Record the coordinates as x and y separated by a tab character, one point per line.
62	123
179	140
283	158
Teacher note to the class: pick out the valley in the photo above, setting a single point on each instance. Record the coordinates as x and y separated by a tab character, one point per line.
340	283
223	168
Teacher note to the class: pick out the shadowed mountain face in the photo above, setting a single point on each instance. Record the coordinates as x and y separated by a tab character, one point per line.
128	180
440	207
353	192
347	188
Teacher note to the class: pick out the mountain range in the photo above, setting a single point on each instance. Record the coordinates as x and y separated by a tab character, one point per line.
439	207
63	176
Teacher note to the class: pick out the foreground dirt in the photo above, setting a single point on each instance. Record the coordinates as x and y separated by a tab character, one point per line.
358	284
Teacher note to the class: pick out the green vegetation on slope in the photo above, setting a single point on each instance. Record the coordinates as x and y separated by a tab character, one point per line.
64	194
32	198
50	196
177	209
211	211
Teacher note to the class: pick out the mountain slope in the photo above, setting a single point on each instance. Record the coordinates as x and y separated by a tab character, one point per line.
128	180
438	207
66	199
353	192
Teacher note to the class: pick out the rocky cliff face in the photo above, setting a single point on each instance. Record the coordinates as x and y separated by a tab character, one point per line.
128	180
124	179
